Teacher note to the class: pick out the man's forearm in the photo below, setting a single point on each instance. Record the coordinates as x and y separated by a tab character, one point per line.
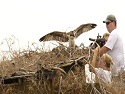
103	50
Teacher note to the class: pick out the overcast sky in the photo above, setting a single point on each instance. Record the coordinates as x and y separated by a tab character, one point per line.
28	20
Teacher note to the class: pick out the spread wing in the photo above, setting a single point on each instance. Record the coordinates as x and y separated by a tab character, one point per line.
84	28
56	35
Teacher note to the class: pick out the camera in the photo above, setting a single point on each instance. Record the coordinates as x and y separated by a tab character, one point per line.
99	40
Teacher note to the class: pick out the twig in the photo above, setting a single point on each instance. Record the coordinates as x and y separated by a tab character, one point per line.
60	84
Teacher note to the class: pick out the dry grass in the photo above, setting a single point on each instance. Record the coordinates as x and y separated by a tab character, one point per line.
29	61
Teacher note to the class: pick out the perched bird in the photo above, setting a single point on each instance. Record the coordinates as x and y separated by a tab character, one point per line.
68	36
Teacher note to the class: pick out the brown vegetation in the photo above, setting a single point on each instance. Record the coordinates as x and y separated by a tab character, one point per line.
39	72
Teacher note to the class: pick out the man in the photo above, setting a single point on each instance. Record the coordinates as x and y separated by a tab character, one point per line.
114	45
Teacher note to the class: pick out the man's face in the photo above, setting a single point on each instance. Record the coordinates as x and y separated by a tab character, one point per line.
109	26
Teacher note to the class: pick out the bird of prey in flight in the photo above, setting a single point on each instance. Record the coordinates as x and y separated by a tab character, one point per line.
68	36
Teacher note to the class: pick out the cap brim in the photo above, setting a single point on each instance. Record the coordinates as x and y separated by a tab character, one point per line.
106	21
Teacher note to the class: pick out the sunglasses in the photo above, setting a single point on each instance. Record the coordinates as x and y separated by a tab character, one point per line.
108	23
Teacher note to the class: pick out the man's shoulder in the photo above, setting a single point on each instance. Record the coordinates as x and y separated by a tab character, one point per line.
115	31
